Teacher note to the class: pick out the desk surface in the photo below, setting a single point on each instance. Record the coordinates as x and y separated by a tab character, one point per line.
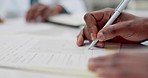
41	29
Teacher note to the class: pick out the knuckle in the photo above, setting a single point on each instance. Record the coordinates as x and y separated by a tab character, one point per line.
109	30
112	30
86	16
131	25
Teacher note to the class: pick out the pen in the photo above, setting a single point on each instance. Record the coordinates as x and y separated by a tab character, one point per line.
123	4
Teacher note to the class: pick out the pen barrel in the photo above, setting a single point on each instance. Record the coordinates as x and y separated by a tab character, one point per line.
120	8
123	5
112	19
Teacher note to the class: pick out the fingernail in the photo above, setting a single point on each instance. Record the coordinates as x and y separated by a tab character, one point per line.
93	37
101	36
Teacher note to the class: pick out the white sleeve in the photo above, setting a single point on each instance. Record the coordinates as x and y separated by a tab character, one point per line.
73	6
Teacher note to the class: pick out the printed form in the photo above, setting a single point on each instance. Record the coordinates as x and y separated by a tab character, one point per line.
48	55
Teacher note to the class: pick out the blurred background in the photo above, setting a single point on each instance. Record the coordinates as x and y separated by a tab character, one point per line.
6	9
99	4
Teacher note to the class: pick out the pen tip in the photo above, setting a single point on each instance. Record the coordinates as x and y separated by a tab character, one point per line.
90	48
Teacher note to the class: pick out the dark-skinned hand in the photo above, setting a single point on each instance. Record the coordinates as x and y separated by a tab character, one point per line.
127	28
40	12
121	65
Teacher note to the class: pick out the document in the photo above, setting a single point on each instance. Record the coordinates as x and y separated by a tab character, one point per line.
49	55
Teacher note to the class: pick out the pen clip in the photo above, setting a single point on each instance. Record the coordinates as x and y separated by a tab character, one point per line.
119	5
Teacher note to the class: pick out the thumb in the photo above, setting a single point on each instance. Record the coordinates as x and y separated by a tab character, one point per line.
123	29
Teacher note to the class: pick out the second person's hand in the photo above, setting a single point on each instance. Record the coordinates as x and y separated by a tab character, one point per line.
126	29
40	13
120	65
1	21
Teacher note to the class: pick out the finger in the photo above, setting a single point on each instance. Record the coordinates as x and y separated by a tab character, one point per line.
93	63
31	12
98	62
113	73
47	13
122	29
1	21
86	34
40	12
120	73
119	60
91	23
80	38
105	61
96	20
103	16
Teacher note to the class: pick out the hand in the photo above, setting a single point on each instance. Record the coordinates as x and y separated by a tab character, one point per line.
40	12
1	21
121	65
126	29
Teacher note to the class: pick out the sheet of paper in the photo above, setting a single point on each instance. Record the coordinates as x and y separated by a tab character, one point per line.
48	54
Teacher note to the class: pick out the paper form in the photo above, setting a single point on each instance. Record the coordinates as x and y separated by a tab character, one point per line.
47	54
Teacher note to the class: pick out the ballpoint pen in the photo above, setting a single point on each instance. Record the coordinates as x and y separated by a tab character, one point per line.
123	4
